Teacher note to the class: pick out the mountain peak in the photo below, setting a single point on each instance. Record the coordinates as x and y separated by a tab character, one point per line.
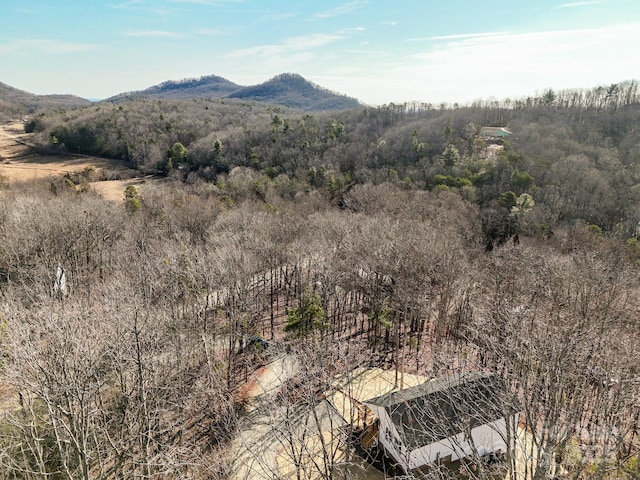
209	86
286	89
293	90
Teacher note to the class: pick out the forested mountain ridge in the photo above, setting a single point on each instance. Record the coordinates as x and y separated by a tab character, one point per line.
288	90
15	103
285	90
291	90
211	86
574	151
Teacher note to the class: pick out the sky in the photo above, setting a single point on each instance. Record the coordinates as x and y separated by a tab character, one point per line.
378	51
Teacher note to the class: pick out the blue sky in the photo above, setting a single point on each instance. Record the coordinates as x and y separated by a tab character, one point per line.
378	51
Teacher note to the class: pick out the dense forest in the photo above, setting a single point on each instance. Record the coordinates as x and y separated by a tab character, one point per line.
575	152
393	237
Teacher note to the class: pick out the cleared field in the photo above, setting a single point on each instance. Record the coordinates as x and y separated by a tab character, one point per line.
19	163
114	189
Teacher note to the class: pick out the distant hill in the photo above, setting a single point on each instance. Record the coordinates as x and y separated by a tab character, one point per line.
290	90
211	86
15	103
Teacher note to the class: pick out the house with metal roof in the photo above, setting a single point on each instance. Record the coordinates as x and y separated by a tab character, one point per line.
495	132
445	420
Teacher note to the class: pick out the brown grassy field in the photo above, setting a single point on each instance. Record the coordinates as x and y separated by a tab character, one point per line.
19	163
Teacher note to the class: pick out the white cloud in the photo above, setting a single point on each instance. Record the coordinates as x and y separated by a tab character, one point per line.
462	68
341	10
128	4
577	4
279	17
153	33
289	45
460	36
353	30
512	47
46	46
141	6
209	32
208	2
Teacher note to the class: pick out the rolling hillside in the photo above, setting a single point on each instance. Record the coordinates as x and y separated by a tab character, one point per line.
210	86
290	90
16	103
294	91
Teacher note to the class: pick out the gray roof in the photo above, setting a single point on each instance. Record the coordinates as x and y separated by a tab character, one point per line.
441	408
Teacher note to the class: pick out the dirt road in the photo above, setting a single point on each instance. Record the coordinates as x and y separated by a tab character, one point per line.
13	143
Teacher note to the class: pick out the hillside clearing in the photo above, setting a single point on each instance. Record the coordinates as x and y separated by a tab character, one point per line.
20	163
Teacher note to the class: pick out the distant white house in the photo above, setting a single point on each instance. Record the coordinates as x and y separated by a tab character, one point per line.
445	420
